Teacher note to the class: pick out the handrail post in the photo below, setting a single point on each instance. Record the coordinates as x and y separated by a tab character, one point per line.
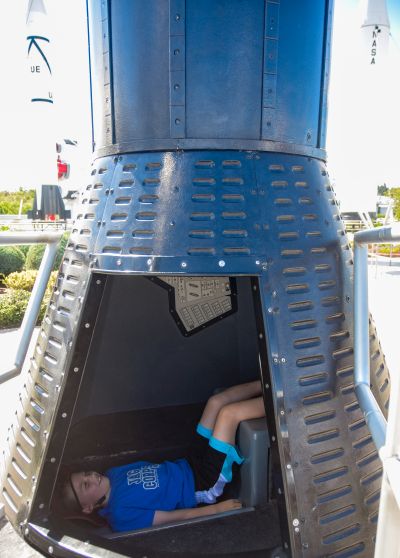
32	311
386	435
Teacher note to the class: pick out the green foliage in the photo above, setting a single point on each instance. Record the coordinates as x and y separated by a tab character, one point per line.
383	190
24	280
11	259
34	256
387	249
36	251
14	301
24	248
10	201
12	307
395	194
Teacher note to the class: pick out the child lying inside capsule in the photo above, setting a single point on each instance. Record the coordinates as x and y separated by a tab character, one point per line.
143	494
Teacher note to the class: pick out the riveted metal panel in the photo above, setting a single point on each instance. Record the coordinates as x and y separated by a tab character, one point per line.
224	213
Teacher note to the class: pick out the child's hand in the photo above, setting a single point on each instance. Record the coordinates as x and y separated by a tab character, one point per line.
228	505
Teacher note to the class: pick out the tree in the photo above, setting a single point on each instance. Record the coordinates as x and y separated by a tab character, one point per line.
383	190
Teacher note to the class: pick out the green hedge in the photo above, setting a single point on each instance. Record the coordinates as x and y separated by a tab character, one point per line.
35	254
12	307
14	301
11	259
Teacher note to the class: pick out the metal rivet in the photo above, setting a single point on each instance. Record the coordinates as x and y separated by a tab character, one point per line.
50	550
26	532
149	261
283	360
267	386
260	336
172	224
53	460
274	293
269	309
288	466
177	51
296	522
98	282
119	262
275	360
258	262
177	17
282	412
76	369
41	506
273	438
176	86
221	263
87	325
183	264
64	415
297	529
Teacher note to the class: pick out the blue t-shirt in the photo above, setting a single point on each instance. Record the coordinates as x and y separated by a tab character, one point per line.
139	489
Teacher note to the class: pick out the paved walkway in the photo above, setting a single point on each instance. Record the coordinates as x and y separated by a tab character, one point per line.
384	297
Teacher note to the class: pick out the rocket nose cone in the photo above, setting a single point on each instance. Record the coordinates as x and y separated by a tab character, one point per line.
375	13
35	7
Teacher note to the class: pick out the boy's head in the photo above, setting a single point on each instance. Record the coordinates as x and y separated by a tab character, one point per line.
84	492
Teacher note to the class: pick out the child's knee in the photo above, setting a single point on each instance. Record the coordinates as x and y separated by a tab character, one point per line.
229	414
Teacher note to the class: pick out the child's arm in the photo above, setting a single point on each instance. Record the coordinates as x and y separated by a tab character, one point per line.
161	517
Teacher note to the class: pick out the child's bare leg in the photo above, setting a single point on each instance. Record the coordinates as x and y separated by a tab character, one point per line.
232	414
231	395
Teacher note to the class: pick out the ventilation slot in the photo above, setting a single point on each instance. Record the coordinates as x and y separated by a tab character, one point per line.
325	456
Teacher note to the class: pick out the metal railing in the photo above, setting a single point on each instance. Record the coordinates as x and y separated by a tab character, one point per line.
386	435
32	311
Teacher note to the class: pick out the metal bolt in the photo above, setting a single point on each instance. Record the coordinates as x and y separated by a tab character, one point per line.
119	262
221	263
296	522
282	412
288	466
275	360
269	310
177	17
98	282
76	369
267	386
258	262
41	506
177	121
87	325
273	438
50	550
297	529
283	359
149	261
183	264
260	336
64	415
274	293
26	532
53	460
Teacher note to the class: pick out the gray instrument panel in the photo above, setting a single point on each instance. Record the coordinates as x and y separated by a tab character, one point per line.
200	300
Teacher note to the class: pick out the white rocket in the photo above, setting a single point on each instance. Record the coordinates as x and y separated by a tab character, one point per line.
42	141
375	29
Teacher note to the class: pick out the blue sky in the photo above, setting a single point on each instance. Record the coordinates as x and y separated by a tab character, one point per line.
72	117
